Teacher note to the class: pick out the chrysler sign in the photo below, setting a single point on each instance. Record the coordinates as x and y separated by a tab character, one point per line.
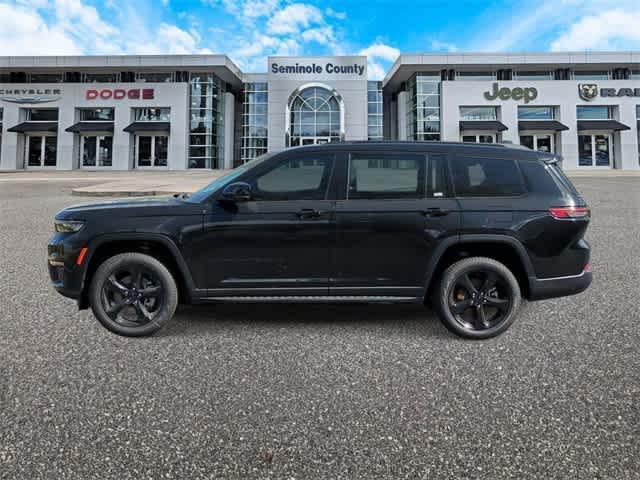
30	95
120	94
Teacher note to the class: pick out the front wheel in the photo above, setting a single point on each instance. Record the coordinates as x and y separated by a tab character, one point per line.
478	297
133	294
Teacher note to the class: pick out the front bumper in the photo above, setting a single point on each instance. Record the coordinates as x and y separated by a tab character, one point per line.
66	276
542	288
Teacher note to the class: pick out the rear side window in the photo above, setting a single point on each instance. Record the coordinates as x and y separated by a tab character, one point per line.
486	177
538	178
375	176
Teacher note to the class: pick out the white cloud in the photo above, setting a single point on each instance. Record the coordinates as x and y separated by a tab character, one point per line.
439	46
379	58
293	18
25	32
332	13
321	35
613	29
380	50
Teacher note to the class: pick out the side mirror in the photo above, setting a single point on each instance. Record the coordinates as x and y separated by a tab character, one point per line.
237	192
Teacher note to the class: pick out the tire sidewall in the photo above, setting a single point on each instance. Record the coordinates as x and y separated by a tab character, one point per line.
465	266
170	300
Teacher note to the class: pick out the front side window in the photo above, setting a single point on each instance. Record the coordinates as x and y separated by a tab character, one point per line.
479	113
486	177
374	176
536	113
297	178
594	112
152	114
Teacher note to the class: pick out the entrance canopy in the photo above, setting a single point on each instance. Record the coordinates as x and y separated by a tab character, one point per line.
26	127
489	125
611	125
542	125
148	127
91	127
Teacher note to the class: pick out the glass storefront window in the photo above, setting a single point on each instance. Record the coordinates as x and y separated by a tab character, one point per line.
423	107
534	75
97	114
478	113
102	77
155	77
96	150
42	150
254	120
543	142
206	124
591	75
315	114
594	112
374	110
45	77
42	115
536	113
475	75
152	114
595	150
152	150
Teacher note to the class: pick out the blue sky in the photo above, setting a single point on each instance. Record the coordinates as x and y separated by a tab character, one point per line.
250	30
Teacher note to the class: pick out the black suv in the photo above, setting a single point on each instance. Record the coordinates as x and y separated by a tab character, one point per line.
468	228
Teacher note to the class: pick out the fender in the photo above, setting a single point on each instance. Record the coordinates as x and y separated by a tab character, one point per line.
475	238
166	241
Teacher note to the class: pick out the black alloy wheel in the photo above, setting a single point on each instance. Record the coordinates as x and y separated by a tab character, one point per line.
133	294
478	297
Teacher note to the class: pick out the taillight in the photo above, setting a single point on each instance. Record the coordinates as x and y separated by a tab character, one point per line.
562	213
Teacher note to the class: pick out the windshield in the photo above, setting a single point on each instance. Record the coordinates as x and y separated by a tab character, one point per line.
227	178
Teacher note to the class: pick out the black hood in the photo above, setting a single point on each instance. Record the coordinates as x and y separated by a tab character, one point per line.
157	206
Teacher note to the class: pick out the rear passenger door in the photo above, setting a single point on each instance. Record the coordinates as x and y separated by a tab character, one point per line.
394	210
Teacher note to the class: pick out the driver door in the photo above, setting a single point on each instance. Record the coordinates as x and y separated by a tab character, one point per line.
277	242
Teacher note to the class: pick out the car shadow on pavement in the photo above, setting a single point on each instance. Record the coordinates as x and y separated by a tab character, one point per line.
383	318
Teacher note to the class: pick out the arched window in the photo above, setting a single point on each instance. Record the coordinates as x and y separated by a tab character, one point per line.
314	116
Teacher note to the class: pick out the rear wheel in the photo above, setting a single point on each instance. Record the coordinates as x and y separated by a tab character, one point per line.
477	297
133	294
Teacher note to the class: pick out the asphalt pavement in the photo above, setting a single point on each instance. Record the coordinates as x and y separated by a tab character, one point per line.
308	391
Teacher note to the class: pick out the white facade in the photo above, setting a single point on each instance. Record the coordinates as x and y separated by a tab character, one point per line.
215	116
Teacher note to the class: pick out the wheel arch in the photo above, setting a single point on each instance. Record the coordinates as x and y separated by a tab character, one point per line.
156	245
502	248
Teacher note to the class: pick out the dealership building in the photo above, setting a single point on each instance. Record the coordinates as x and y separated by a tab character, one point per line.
180	112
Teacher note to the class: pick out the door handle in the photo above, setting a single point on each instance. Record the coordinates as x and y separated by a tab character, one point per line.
436	212
309	213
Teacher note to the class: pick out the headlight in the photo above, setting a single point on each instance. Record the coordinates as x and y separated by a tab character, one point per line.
70	226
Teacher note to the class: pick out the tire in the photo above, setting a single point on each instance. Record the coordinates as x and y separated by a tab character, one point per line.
133	294
477	298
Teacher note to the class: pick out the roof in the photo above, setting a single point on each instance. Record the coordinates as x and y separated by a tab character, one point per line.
221	65
410	145
409	63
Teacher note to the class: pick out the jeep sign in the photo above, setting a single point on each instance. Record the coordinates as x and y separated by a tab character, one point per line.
517	93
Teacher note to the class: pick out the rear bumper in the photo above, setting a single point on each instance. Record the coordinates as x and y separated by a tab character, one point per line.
541	288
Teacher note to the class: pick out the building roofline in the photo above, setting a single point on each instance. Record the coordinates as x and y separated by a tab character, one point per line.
189	62
442	60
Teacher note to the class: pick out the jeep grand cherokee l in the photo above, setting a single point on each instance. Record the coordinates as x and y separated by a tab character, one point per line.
469	229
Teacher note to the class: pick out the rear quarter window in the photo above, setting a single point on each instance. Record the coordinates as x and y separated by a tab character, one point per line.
486	177
538	178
